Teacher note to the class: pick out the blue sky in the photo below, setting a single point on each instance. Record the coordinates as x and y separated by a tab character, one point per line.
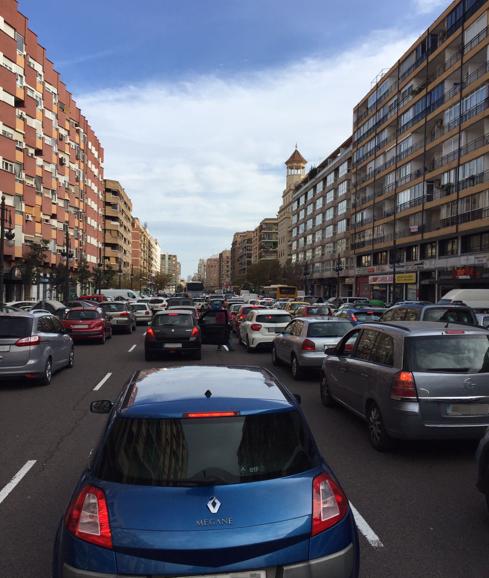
199	102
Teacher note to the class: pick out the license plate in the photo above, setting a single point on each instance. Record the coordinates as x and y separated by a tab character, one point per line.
251	574
4	347
274	330
80	326
468	409
172	345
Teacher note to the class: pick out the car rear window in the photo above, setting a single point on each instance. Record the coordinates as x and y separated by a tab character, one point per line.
448	353
84	314
279	318
328	329
140	307
114	307
318	310
445	314
368	315
15	327
173	320
188	452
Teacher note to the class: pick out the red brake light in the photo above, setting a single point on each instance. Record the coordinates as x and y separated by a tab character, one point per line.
255	327
124	314
195	331
354	317
308	345
201	414
88	517
329	504
242	317
27	341
454	332
172	314
150	333
404	386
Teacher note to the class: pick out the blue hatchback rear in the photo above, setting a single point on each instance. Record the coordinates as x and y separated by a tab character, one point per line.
207	471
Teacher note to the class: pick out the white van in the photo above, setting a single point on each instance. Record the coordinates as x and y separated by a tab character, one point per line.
121	294
477	299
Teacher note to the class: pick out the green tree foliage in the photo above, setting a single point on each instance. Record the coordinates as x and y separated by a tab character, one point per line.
34	262
84	276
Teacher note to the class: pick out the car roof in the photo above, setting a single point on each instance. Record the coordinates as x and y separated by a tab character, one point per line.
176	310
19	313
313	319
270	312
414	328
429	306
174	391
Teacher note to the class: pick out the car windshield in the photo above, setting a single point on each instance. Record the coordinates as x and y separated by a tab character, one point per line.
173	320
328	329
83	314
448	353
15	327
188	452
318	310
114	307
271	318
445	314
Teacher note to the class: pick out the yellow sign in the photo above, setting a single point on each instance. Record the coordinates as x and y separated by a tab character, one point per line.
406	278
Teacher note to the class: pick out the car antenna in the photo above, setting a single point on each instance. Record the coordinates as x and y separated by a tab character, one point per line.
208	393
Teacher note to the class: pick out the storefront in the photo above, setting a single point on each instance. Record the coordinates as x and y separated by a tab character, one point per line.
362	288
467	277
382	287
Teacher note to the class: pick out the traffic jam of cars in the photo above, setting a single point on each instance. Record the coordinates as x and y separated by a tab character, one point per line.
228	440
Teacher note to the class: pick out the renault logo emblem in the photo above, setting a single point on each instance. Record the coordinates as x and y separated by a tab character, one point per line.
213	504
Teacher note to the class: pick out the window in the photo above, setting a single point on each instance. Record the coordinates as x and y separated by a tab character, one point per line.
320	186
444	314
330	196
45	324
383	352
310	208
8	166
475	243
329	231
341	208
342	188
428	251
448	247
348	345
329	215
319	219
19	39
343	169
412	253
319	203
319	235
330	179
341	226
366	344
309	224
302	214
15	327
324	329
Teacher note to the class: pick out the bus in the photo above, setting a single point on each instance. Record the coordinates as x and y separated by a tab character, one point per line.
279	292
195	289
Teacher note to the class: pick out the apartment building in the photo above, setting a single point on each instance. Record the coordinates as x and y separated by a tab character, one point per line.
117	228
200	270
241	254
320	236
212	273
154	255
420	212
265	240
296	165
51	161
224	269
169	265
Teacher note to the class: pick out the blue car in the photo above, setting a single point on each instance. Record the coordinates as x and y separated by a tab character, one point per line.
206	471
357	315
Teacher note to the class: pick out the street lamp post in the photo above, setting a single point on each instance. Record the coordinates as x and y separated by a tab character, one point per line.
119	271
338	268
9	235
67	253
305	278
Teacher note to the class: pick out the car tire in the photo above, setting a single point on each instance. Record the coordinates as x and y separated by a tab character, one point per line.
295	368
326	398
378	436
275	359
128	329
103	339
71	359
48	373
249	349
109	336
148	356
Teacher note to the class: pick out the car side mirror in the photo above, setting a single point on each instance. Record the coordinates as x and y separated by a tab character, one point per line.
298	398
330	350
101	406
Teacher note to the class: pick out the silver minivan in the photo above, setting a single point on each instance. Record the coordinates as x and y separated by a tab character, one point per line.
411	380
33	346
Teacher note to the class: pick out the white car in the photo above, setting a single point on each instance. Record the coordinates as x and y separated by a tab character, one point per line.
26	305
261	327
157	304
142	312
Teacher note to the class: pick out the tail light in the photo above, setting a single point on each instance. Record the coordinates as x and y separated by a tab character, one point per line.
329	504
27	341
204	414
124	314
354	318
255	327
404	386
150	334
88	517
195	332
241	317
308	345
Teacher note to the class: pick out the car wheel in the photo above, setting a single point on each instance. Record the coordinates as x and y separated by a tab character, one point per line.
295	368
249	349
102	339
48	373
71	359
326	398
129	329
109	335
379	438
275	360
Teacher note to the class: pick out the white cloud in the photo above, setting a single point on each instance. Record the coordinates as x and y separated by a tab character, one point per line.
428	6
210	150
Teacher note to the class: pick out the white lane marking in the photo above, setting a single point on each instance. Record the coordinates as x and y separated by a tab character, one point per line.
16	479
365	529
132	348
101	382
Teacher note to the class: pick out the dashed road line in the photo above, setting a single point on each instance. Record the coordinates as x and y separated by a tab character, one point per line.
5	491
102	381
131	349
365	529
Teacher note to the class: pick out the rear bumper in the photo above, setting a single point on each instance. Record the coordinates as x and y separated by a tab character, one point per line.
313	359
33	366
80	335
341	564
158	347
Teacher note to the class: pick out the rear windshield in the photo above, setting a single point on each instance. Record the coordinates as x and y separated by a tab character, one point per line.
84	314
188	452
328	329
140	307
173	320
443	314
15	327
114	306
318	310
273	318
452	353
368	315
179	301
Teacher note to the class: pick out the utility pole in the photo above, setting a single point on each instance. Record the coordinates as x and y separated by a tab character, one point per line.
9	235
338	268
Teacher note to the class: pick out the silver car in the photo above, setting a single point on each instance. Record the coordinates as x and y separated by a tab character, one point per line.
120	314
33	346
142	312
303	341
411	380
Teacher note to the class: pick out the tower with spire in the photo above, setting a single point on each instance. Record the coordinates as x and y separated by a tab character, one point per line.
296	168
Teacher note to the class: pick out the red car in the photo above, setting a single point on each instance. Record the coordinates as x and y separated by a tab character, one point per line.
90	323
241	316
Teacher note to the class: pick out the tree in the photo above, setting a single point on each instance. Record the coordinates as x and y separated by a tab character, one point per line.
161	280
263	273
293	274
34	262
58	278
83	275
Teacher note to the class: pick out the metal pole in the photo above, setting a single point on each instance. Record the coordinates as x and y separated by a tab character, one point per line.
67	278
2	240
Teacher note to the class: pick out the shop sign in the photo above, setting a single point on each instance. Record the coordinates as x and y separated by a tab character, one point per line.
380	279
406	278
464	272
349	281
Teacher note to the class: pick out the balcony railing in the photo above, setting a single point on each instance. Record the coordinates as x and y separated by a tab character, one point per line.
411	203
473	145
476	40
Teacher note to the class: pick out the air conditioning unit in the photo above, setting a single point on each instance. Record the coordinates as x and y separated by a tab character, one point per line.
29	217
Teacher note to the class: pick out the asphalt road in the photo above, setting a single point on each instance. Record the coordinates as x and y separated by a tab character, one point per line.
421	512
